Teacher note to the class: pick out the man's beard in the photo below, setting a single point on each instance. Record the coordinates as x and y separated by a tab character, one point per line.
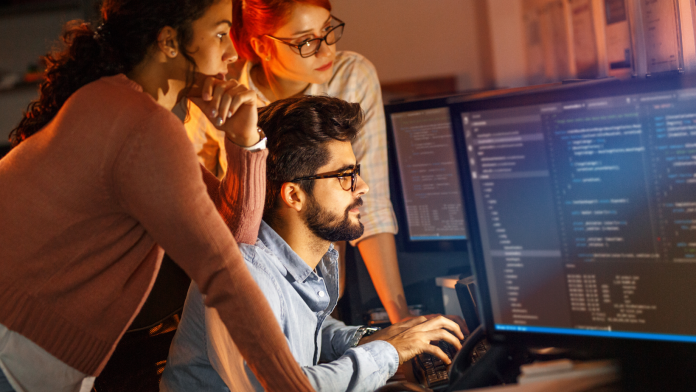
332	227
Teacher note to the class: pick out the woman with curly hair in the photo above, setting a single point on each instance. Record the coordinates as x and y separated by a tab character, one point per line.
102	178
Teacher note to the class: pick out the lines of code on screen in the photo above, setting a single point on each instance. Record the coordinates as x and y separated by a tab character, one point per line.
429	174
587	212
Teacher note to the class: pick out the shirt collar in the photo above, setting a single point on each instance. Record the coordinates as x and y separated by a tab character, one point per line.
296	267
245	79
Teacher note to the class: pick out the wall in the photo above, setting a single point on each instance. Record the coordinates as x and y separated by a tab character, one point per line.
23	39
12	105
507	43
414	39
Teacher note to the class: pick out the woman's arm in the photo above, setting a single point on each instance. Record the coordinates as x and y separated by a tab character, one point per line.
377	246
379	254
240	196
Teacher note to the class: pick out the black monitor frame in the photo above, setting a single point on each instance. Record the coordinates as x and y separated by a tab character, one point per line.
571	92
403	236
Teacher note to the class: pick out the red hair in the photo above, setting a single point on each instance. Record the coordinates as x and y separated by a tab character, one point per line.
254	18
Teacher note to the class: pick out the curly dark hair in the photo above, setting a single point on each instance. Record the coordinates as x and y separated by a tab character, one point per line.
129	29
298	129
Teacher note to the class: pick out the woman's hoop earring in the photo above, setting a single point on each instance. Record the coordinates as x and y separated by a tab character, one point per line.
268	58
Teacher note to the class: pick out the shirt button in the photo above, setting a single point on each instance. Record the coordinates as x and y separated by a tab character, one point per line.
321	294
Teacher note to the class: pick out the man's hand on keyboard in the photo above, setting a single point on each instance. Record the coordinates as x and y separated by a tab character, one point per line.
413	337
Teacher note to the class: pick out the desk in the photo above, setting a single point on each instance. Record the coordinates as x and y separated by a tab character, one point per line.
608	382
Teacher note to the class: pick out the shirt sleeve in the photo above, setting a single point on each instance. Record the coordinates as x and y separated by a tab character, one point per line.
370	147
363	368
335	337
157	182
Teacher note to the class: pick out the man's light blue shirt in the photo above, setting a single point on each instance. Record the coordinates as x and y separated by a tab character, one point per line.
302	301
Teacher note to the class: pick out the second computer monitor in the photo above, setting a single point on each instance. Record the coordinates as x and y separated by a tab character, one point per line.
428	172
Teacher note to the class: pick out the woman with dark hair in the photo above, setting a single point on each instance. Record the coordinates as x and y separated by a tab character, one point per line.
102	177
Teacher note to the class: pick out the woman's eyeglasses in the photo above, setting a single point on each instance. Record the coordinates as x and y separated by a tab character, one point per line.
342	175
310	47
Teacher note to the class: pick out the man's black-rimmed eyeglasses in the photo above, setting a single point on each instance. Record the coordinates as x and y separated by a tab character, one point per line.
310	47
342	176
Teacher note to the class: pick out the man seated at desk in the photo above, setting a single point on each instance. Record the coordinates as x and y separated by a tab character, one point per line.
313	191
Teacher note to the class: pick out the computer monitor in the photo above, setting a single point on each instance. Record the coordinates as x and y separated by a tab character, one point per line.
429	193
581	212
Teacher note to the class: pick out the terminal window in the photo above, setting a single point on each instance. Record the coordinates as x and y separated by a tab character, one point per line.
587	212
429	175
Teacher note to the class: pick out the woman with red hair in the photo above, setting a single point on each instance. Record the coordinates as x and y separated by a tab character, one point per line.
287	49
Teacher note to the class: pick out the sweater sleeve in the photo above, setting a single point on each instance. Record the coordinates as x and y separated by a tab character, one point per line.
157	181
240	196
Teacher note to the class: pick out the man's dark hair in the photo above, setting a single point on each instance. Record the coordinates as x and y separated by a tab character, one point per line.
297	130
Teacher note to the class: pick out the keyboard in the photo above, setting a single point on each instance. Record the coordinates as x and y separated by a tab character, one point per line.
430	370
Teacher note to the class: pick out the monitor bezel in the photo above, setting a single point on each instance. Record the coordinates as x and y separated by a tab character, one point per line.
572	92
404	237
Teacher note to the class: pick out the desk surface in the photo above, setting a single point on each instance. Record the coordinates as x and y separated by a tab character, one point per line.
607	383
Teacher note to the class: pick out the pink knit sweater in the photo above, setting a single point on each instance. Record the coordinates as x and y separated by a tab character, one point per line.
86	206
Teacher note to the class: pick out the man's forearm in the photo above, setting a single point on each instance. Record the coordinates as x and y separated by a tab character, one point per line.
360	369
379	254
